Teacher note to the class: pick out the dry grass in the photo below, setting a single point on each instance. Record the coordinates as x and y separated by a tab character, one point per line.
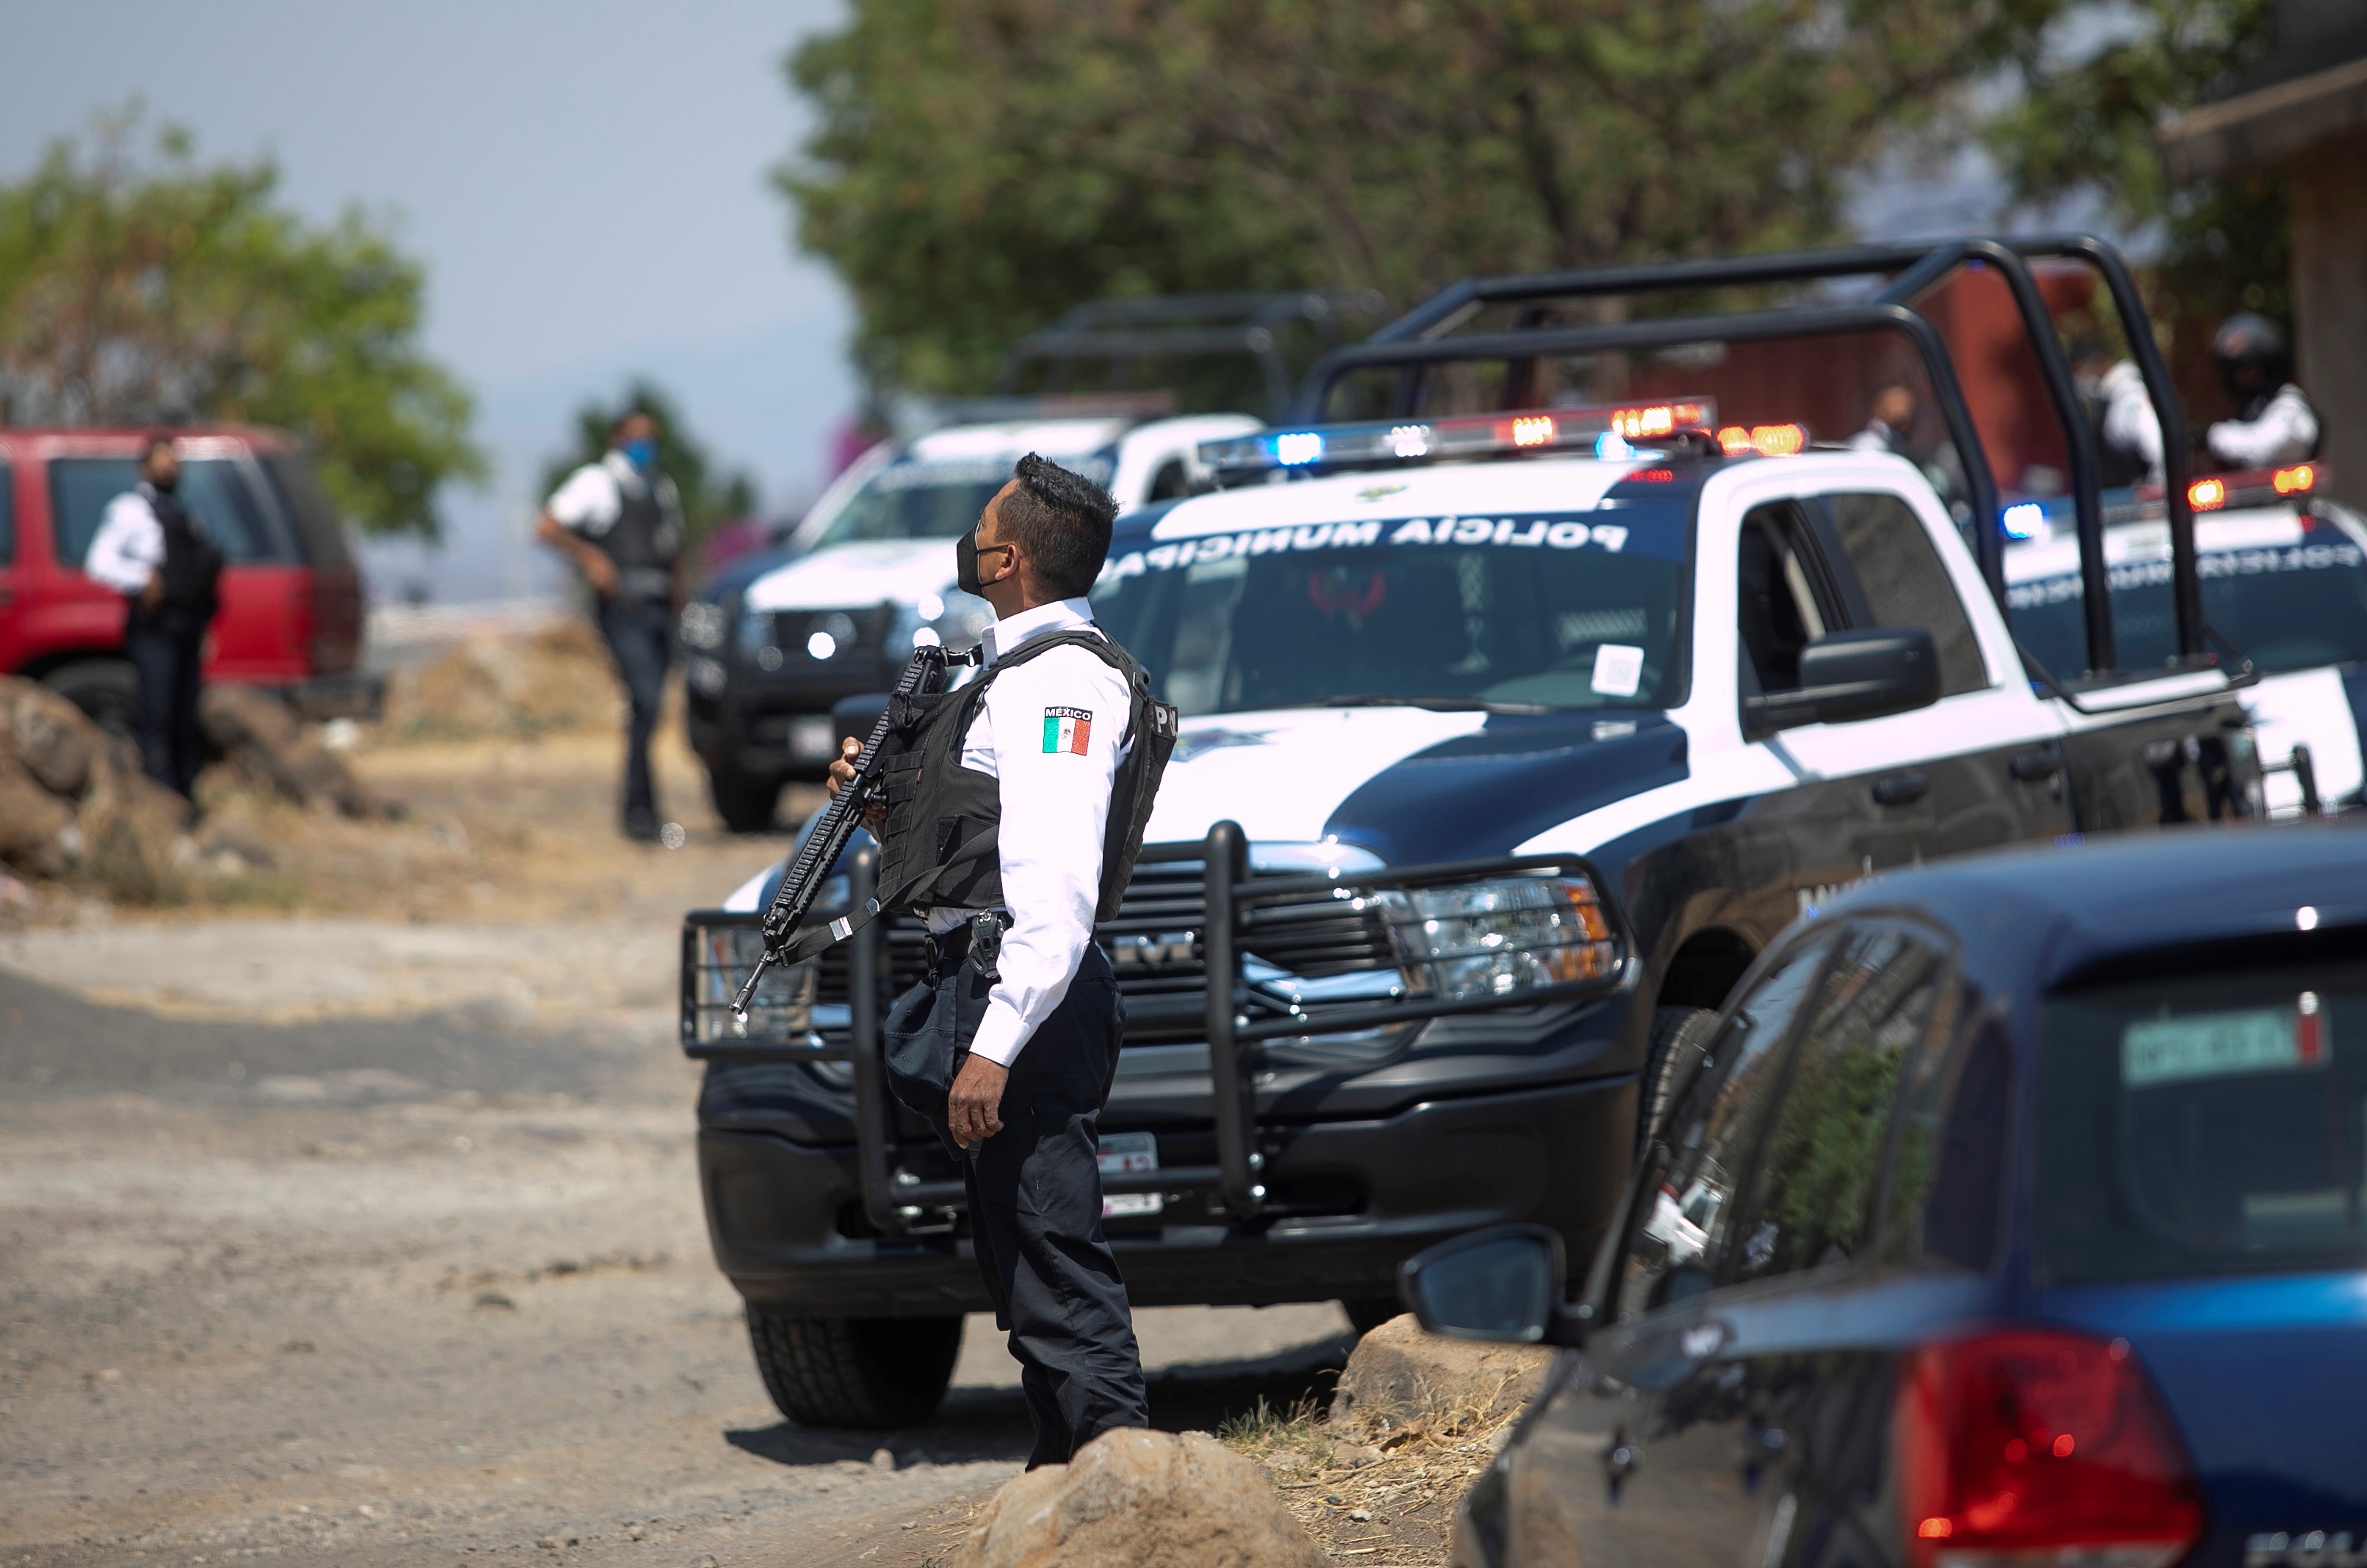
1383	1484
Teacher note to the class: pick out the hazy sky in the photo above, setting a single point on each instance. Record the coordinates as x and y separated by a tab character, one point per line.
585	183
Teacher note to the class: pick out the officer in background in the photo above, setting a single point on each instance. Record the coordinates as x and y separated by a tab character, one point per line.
1049	737
151	550
2114	397
2274	423
621	521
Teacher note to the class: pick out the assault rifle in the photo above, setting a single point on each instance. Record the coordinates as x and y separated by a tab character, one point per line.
802	882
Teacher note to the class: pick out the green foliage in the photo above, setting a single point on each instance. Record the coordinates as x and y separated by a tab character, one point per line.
978	165
2086	125
710	497
156	290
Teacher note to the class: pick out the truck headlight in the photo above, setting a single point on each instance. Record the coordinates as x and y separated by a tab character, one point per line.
782	1009
1503	936
952	619
703	624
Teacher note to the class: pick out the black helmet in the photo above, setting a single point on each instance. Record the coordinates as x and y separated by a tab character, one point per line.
2253	359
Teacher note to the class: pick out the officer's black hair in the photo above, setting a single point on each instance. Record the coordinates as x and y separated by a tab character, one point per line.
1062	520
158	440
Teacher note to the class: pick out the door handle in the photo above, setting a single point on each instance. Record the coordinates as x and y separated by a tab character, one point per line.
1901	789
2031	767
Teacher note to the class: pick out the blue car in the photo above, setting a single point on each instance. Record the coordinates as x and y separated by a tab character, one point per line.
2014	1213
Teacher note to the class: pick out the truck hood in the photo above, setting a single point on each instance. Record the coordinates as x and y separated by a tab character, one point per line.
873	572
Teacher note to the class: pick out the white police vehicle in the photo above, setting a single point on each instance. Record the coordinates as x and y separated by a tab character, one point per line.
2284	579
1508	742
868	576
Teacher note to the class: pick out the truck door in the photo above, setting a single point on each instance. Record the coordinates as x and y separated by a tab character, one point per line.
13	650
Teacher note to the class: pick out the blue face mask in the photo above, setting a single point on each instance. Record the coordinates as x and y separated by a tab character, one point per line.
643	453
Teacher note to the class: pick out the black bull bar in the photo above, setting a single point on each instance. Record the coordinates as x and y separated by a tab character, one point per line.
1238	907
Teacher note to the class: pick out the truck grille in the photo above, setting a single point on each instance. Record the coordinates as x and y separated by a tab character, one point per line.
1154	945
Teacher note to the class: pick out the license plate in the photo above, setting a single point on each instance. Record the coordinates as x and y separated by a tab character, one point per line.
1129	1152
813	738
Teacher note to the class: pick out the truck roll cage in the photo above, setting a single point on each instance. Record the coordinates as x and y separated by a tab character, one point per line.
1179	326
1237	907
1424	337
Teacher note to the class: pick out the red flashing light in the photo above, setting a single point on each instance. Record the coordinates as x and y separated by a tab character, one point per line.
1650	420
1777	440
2294	480
2207	495
1734	440
2030	1444
1531	430
1654	475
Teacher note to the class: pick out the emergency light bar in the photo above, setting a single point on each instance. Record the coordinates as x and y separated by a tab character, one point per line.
1608	430
2220	492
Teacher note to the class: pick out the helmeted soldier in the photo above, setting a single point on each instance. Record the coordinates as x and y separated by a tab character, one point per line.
2274	423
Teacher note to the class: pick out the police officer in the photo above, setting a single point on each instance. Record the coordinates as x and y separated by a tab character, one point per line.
153	551
621	521
2274	423
1025	763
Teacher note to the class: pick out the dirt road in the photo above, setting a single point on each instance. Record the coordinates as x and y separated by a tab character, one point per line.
374	1239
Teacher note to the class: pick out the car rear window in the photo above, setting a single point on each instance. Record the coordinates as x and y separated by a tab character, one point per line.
213	488
303	497
2204	1125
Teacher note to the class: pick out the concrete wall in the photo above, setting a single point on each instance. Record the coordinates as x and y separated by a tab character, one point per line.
2327	196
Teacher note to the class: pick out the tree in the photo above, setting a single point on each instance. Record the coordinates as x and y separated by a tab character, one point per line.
156	290
978	165
710	497
2084	124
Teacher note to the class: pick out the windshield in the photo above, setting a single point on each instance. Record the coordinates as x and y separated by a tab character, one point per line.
910	499
2204	1125
2294	606
1552	610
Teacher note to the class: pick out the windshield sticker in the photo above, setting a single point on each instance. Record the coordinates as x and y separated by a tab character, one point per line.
2132	575
2225	1045
1547	533
1618	670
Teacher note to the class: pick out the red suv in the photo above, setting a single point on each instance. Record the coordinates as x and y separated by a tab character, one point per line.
291	595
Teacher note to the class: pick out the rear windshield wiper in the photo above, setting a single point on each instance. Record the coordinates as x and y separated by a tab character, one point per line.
1435	704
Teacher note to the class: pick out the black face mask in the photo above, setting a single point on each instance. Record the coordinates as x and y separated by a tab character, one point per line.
165	486
966	563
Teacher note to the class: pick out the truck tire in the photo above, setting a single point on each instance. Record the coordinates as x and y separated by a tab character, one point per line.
745	801
106	689
855	1371
1366	1315
1679	1036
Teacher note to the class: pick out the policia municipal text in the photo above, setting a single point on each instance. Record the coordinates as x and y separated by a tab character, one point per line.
1014	808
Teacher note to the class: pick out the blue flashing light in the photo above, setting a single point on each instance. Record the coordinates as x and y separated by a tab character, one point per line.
1297	448
2023	520
1611	447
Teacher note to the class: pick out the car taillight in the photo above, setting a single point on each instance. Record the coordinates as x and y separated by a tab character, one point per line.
2033	1445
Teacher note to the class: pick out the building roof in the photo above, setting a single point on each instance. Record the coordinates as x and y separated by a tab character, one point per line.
2310	88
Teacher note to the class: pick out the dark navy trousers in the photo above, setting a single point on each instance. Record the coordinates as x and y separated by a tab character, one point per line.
639	634
1035	1220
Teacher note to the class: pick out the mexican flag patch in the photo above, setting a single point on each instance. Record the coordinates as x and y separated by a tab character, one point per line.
1065	729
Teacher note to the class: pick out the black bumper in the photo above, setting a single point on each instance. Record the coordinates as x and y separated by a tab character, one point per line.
1557	1154
746	728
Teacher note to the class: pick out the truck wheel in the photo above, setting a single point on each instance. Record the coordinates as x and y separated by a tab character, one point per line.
855	1371
106	689
1679	1036
1366	1315
745	801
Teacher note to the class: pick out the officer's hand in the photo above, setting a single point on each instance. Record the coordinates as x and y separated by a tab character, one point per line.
601	572
974	1108
151	592
841	774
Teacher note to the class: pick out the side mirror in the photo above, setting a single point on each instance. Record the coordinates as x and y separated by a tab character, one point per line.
1852	675
1501	1283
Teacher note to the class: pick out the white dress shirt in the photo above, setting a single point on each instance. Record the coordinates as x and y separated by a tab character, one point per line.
128	548
2129	423
1050	732
2286	431
593	497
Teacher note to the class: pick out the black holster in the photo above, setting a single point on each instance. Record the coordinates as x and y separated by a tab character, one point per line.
927	1036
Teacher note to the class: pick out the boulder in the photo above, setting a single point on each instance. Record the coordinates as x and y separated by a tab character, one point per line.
51	736
1148	1499
263	738
37	827
132	827
1398	1375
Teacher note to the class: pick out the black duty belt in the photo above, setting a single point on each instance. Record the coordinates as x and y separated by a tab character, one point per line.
981	934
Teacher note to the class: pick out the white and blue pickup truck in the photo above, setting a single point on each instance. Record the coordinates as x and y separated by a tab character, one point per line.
2284	579
1508	742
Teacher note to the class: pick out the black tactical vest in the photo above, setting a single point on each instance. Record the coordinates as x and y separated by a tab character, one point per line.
643	541
192	563
938	842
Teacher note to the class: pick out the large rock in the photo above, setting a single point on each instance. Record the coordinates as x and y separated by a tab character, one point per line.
132	829
37	827
1146	1499
262	736
54	740
1398	1374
